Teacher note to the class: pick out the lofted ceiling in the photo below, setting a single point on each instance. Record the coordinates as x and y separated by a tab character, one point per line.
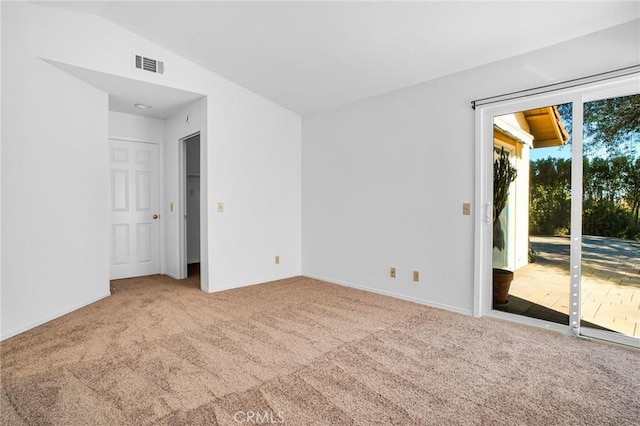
124	93
310	56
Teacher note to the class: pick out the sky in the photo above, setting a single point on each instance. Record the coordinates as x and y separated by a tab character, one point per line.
554	152
565	152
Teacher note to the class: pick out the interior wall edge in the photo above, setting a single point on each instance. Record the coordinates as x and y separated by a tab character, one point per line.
233	287
51	317
400	296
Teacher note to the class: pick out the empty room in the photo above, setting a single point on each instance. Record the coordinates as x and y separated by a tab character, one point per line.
317	212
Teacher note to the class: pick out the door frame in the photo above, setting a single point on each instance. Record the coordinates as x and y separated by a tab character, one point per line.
182	207
482	303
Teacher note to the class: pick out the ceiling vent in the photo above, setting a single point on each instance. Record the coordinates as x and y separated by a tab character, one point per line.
149	64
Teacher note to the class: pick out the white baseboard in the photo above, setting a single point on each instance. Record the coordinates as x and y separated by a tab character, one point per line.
52	317
392	294
270	279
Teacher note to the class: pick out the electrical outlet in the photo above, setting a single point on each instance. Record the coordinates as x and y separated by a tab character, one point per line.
416	276
466	209
392	272
277	260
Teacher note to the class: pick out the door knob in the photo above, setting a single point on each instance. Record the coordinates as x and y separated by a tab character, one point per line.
155	216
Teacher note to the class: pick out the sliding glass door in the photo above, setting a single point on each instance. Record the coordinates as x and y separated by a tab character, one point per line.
532	224
560	192
610	249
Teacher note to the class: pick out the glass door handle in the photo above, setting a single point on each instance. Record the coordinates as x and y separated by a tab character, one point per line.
487	213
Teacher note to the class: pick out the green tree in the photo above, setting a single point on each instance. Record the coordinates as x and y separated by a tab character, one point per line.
631	185
550	196
611	197
614	125
611	173
611	126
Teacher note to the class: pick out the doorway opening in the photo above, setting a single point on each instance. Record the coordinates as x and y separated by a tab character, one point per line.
532	212
191	203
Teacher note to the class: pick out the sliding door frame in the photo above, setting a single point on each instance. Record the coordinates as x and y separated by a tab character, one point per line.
484	193
613	89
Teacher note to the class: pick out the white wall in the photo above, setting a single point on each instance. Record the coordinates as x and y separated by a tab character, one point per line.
252	153
257	176
176	130
384	179
54	184
520	241
136	127
256	173
251	150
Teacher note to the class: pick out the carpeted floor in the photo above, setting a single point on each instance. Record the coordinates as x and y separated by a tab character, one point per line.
301	352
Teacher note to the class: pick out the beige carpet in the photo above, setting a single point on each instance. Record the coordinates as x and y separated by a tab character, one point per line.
302	352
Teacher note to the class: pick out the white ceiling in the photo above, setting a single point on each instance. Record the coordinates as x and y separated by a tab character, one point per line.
310	56
124	93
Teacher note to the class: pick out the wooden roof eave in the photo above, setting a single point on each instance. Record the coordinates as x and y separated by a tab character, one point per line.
546	127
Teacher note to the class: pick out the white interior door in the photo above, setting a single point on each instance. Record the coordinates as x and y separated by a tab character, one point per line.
134	205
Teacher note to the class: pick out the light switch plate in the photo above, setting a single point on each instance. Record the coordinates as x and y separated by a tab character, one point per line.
466	209
220	207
